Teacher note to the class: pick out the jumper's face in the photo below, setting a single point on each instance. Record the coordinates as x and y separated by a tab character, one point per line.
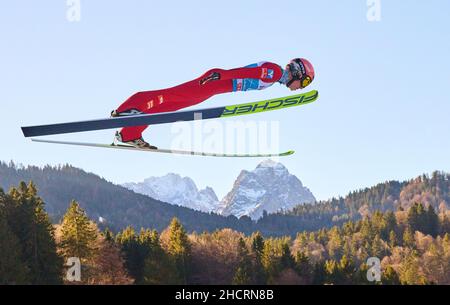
295	85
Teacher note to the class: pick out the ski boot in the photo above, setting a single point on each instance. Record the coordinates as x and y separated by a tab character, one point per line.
138	143
128	112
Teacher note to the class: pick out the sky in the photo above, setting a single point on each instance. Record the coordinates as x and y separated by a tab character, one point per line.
382	114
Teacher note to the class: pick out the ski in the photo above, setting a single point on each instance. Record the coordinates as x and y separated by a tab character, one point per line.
167	151
170	117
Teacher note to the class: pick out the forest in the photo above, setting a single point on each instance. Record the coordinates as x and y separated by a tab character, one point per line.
412	243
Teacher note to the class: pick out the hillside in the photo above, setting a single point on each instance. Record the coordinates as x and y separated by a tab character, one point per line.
431	190
119	207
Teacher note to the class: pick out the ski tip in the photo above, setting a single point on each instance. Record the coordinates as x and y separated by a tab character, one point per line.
288	153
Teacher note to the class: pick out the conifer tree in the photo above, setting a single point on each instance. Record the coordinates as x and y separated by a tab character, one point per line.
129	244
392	239
158	267
432	222
179	249
257	243
242	275
28	221
12	268
303	266
78	234
408	238
377	247
286	259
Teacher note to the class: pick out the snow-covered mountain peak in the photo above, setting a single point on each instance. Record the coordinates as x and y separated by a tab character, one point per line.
174	189
268	187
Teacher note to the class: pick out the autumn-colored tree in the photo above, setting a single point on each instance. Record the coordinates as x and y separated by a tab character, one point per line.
107	265
410	272
390	277
179	249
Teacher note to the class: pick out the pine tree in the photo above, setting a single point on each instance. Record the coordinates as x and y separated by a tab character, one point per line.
417	218
432	221
286	259
257	242
392	239
28	221
242	275
269	260
78	234
408	238
130	248
179	249
390	224
12	268
158	267
303	266
378	247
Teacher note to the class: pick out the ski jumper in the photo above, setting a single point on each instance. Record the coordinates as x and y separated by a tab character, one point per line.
215	81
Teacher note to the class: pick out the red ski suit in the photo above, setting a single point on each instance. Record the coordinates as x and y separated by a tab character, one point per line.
252	77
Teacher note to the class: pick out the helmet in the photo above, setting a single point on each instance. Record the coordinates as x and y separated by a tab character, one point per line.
302	70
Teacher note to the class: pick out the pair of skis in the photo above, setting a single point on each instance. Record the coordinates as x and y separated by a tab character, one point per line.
170	117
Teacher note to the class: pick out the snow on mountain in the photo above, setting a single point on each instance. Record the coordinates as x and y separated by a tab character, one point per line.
174	189
269	187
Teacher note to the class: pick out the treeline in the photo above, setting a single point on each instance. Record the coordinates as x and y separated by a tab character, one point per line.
413	246
431	190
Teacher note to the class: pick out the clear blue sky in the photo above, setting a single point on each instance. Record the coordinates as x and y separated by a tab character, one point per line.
383	111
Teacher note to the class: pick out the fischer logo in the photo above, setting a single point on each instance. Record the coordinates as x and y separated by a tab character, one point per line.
269	105
160	99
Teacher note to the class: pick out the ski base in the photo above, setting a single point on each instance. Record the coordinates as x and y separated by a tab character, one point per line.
167	151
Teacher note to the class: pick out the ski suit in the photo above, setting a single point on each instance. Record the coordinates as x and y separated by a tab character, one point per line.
215	81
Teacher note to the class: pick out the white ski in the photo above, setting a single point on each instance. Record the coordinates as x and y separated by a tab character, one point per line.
167	151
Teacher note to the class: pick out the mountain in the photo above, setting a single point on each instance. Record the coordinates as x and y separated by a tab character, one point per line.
270	187
174	189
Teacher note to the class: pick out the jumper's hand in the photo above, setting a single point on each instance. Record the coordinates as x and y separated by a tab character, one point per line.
211	77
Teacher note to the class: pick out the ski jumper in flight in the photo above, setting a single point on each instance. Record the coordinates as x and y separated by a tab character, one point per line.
298	74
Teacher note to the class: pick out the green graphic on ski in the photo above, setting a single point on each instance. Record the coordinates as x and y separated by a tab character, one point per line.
170	117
